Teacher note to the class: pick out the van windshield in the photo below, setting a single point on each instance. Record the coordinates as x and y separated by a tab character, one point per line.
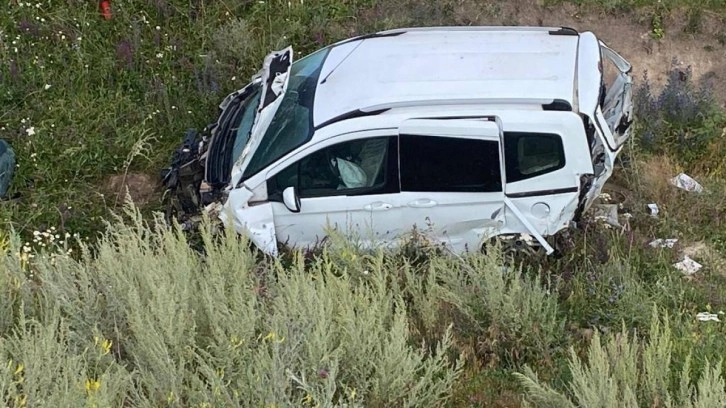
292	125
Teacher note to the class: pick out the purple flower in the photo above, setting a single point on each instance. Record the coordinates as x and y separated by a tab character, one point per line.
125	54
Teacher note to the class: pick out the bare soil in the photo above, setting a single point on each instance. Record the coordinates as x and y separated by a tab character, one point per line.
701	46
142	188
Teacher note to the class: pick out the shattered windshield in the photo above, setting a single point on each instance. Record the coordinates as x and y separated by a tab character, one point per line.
245	124
292	124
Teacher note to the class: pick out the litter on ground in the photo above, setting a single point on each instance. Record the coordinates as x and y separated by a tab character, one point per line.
653	210
607	213
706	316
685	182
688	266
663	243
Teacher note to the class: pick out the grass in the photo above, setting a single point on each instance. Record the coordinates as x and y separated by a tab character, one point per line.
135	317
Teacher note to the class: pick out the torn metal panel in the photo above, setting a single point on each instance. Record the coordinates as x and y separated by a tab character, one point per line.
255	221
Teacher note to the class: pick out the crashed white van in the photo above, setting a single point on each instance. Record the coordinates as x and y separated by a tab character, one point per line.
467	133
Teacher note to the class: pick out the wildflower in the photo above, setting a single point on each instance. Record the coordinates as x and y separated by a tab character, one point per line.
30	131
272	336
92	385
47	86
103	344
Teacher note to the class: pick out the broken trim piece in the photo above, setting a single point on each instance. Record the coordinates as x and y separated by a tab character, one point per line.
528	225
565	31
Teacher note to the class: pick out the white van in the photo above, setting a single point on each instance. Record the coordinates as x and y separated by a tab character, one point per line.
467	133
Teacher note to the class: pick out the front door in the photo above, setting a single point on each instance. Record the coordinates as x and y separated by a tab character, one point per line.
348	186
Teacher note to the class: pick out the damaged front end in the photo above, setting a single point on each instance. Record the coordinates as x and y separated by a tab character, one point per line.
207	165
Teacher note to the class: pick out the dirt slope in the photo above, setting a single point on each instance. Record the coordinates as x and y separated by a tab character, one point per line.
629	34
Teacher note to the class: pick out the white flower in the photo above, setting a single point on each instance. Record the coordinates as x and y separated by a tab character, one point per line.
160	55
30	131
47	86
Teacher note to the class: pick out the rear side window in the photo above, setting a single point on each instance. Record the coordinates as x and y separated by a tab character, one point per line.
530	155
446	164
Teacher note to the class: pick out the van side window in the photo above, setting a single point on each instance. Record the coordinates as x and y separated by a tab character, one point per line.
530	155
448	164
355	167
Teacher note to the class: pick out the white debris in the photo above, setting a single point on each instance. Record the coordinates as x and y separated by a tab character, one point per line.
663	243
653	210
607	213
688	266
706	316
685	182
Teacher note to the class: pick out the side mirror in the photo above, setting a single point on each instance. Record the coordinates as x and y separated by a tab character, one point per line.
291	199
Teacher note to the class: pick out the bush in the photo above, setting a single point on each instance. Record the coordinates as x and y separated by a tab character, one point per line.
516	318
140	319
628	372
683	121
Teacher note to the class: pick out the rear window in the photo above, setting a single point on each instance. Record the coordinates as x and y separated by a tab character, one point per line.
447	164
532	154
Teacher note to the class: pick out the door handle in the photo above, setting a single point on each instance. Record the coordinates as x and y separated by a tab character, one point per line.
422	203
378	206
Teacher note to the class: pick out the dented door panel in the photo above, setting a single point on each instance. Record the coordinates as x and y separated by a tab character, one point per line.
366	219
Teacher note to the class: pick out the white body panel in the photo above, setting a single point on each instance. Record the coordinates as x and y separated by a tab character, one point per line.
398	82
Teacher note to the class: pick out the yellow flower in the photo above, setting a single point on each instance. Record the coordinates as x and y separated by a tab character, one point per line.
92	385
106	346
103	344
235	342
21	401
272	336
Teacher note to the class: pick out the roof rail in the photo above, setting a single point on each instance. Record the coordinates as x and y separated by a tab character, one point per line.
475	28
472	101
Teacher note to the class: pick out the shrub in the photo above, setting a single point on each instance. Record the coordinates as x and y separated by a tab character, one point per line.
516	318
628	372
682	120
140	319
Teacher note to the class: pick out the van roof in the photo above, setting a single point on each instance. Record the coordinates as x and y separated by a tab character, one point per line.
462	65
